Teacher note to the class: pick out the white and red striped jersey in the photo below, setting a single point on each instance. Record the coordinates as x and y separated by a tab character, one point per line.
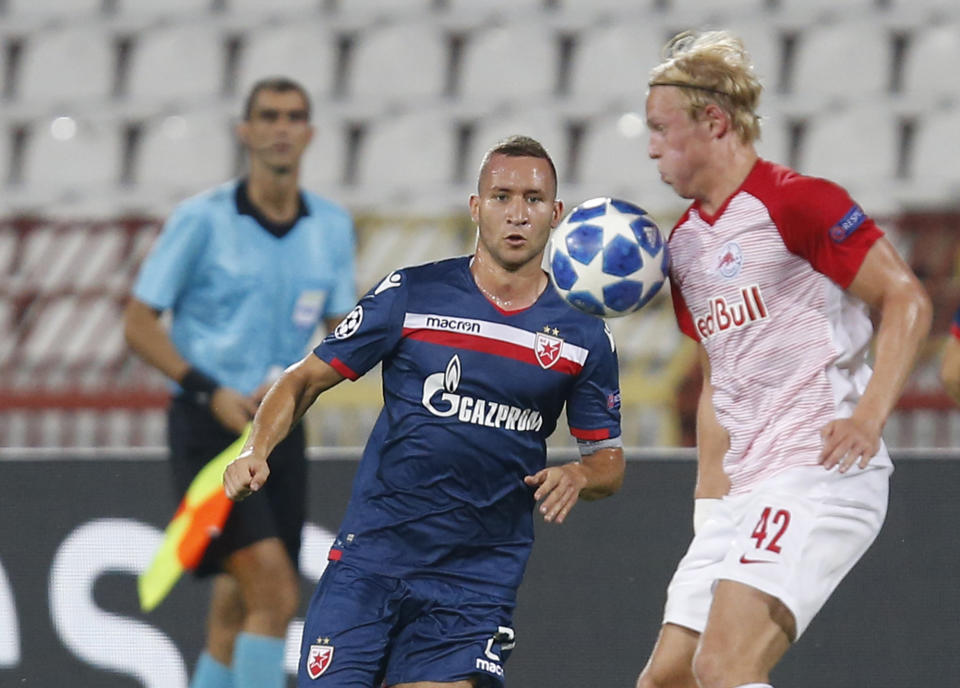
761	285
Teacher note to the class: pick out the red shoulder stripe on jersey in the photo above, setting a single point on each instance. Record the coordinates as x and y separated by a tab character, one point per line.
805	210
334	555
459	340
580	434
343	369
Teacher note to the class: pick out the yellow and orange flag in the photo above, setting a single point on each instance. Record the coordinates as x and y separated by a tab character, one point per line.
199	517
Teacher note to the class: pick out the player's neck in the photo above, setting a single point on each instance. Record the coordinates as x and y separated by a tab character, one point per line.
508	290
277	196
727	175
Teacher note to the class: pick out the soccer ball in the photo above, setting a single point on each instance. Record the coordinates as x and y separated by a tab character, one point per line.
607	258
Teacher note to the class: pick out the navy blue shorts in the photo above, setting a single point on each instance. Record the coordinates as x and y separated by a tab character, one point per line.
364	628
278	510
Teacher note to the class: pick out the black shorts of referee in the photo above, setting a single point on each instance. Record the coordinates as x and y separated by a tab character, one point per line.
277	510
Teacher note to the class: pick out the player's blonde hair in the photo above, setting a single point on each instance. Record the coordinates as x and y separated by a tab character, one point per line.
713	67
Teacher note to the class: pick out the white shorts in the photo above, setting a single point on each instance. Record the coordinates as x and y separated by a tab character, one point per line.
794	536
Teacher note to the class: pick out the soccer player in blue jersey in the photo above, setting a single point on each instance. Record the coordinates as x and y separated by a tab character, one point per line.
247	270
479	355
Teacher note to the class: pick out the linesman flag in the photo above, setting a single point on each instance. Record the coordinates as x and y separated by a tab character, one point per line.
199	517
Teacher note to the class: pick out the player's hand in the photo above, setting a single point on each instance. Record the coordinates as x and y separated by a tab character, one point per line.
232	409
558	489
849	441
244	475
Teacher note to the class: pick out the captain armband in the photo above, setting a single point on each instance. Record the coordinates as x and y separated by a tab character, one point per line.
588	447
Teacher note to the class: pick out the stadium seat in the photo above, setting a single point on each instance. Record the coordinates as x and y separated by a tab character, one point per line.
698	11
397	63
53	11
865	163
814	11
184	154
66	67
776	138
613	161
611	63
305	51
277	8
544	124
407	160
934	174
323	164
910	11
472	11
512	63
177	65
66	158
6	154
930	51
168	9
842	62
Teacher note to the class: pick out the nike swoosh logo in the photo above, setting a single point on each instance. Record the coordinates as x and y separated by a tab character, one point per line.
744	560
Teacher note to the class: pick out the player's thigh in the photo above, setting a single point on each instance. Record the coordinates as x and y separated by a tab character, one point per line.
671	662
748	632
690	591
457	635
348	629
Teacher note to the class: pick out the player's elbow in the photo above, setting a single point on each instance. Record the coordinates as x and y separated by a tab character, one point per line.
922	310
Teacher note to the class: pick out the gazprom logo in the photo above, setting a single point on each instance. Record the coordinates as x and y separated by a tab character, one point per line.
440	398
848	224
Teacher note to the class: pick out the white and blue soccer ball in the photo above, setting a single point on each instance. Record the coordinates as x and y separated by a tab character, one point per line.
607	257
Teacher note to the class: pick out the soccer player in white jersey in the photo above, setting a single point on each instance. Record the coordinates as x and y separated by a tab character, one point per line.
773	275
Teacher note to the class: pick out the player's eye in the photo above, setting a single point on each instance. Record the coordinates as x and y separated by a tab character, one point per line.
269	115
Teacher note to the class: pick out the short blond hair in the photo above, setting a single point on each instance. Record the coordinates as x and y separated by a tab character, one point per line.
713	67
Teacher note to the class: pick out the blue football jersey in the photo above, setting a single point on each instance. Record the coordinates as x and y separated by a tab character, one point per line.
471	393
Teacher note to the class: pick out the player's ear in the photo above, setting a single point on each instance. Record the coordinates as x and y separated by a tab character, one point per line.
475	208
717	118
557	213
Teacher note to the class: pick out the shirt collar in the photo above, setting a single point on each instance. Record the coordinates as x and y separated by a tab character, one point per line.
246	207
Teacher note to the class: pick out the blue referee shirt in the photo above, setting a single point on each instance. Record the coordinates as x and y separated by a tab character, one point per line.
246	298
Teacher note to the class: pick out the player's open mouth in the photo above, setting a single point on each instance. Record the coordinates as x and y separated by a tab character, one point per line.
516	239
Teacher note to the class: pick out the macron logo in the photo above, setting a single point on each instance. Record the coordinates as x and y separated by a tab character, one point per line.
722	316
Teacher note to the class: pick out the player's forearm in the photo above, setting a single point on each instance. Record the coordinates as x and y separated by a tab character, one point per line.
904	324
604	471
287	401
149	339
276	415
